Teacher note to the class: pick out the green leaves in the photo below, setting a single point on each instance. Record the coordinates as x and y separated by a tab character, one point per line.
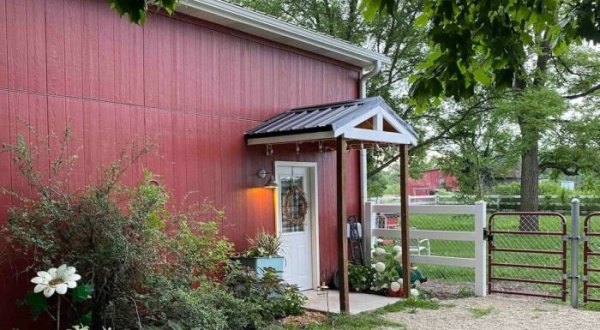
37	303
82	292
371	8
484	42
137	10
482	76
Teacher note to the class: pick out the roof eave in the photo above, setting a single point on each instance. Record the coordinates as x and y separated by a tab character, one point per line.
264	26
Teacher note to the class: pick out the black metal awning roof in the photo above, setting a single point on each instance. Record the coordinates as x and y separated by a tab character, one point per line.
369	119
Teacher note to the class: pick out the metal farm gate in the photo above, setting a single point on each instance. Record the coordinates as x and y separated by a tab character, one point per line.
527	254
591	258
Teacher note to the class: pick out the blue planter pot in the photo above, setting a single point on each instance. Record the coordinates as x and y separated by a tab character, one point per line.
260	263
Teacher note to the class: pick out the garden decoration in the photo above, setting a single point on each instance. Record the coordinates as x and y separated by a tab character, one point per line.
295	206
415	275
56	280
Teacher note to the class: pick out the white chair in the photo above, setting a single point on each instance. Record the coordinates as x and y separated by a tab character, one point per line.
420	246
417	246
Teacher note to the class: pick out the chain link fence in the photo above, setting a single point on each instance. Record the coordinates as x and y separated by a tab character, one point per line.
448	281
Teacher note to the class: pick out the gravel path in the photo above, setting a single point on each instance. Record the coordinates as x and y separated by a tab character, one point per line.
498	312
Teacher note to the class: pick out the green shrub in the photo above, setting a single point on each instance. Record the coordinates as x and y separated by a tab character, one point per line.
271	297
210	306
359	276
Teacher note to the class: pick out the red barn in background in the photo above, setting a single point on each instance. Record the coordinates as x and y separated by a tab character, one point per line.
432	181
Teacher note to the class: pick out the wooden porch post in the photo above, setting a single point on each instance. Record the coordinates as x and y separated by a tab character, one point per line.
404	219
341	223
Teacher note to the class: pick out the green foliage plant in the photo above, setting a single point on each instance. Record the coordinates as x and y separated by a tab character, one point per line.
360	276
264	245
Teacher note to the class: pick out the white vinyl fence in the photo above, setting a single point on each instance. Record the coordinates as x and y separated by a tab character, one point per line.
478	210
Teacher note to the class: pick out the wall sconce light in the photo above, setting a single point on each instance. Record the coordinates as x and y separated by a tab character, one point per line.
271	184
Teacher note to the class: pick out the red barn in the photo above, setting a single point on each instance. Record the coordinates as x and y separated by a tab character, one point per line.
196	83
430	182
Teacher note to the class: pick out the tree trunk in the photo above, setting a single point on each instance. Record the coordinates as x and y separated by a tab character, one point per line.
530	168
529	187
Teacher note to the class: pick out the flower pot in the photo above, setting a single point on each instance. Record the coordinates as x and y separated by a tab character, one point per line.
258	264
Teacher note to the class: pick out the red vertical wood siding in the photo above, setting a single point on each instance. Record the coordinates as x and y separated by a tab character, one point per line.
191	86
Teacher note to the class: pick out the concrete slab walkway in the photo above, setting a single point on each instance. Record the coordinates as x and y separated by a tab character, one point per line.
359	302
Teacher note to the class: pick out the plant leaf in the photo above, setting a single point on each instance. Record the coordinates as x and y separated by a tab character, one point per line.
37	303
82	293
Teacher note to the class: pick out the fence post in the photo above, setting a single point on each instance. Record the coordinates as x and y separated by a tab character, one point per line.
367	227
574	252
480	249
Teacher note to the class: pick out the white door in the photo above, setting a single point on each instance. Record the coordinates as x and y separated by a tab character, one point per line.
296	223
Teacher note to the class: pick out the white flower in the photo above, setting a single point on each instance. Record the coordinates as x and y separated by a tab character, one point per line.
398	249
398	257
380	267
395	286
378	251
54	279
414	292
384	286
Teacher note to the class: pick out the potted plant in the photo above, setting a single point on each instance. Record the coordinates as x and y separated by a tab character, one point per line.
264	251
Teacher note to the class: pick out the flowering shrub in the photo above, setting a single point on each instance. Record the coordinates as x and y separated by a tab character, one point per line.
387	276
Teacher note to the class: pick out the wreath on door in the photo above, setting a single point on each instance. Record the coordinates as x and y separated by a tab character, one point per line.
295	205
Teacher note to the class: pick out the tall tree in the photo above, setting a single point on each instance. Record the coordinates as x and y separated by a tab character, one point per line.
489	43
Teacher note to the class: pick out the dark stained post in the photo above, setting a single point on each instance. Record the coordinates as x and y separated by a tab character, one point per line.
404	219
341	223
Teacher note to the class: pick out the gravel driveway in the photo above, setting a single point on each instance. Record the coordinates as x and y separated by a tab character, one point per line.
498	312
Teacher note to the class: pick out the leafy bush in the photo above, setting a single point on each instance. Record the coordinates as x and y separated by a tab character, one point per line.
360	276
103	231
271	297
210	306
116	236
148	266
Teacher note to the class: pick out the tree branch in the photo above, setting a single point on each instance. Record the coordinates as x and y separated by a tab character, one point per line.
582	94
